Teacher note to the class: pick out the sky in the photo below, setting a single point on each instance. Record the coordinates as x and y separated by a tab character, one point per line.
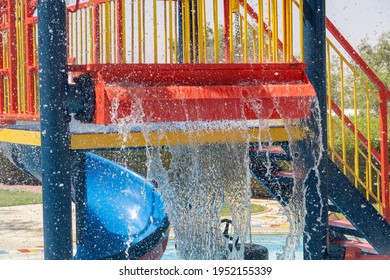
357	19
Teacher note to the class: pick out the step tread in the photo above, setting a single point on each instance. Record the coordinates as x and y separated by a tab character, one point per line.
340	223
365	247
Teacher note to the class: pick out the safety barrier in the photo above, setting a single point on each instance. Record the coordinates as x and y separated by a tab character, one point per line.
357	120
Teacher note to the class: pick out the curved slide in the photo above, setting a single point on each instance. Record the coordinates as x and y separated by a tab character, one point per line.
122	215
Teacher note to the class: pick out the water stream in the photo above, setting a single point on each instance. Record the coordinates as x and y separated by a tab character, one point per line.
198	178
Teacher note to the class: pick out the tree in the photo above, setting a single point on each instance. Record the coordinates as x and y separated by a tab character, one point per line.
378	56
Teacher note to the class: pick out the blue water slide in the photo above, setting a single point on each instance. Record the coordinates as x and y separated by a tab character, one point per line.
122	214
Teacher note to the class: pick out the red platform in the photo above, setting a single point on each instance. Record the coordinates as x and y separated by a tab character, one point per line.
203	92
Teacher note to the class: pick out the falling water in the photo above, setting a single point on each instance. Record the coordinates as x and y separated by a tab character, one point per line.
200	177
306	154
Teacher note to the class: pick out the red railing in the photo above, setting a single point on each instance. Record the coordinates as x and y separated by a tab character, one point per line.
384	97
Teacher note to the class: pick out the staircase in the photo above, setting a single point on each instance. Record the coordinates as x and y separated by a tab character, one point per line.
344	198
358	223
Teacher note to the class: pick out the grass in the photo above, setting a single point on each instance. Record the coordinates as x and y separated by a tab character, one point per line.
15	198
255	208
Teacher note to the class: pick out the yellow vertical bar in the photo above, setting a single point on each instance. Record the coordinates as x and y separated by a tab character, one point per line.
132	31
284	30
330	119
275	30
143	32
356	143
155	31
269	46
204	30
288	30
91	58
124	37
165	33
301	35
342	97
369	157
231	30
216	32
260	30
139	17
107	19
170	31
245	31
291	33
200	31
188	28
193	31
185	30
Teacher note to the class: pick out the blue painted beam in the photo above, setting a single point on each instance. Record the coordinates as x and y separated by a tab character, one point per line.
55	138
315	237
359	211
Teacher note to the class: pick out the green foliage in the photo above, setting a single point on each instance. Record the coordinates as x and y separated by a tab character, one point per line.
378	56
15	198
255	208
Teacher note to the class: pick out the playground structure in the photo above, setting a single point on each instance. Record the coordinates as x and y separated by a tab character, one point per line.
196	60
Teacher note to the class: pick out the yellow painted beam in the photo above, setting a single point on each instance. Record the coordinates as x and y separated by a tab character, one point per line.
23	137
86	141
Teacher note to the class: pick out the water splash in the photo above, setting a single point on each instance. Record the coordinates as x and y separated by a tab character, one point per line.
199	179
306	152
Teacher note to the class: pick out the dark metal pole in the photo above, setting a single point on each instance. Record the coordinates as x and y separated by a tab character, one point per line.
55	137
315	237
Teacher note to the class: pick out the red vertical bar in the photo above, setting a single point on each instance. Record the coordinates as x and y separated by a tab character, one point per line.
30	59
227	15
384	155
96	34
119	37
12	53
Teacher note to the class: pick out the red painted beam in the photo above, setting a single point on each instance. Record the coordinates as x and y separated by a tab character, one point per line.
210	103
171	93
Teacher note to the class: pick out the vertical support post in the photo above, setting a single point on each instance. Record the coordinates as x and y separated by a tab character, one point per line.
315	237
55	136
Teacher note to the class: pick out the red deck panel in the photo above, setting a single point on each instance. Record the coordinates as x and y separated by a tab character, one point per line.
172	93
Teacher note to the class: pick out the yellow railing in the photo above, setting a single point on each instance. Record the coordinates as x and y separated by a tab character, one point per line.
353	124
187	31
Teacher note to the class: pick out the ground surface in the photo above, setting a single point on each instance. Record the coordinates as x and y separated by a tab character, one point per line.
21	230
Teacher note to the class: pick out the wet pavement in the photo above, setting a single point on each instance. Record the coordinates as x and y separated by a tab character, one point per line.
21	229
